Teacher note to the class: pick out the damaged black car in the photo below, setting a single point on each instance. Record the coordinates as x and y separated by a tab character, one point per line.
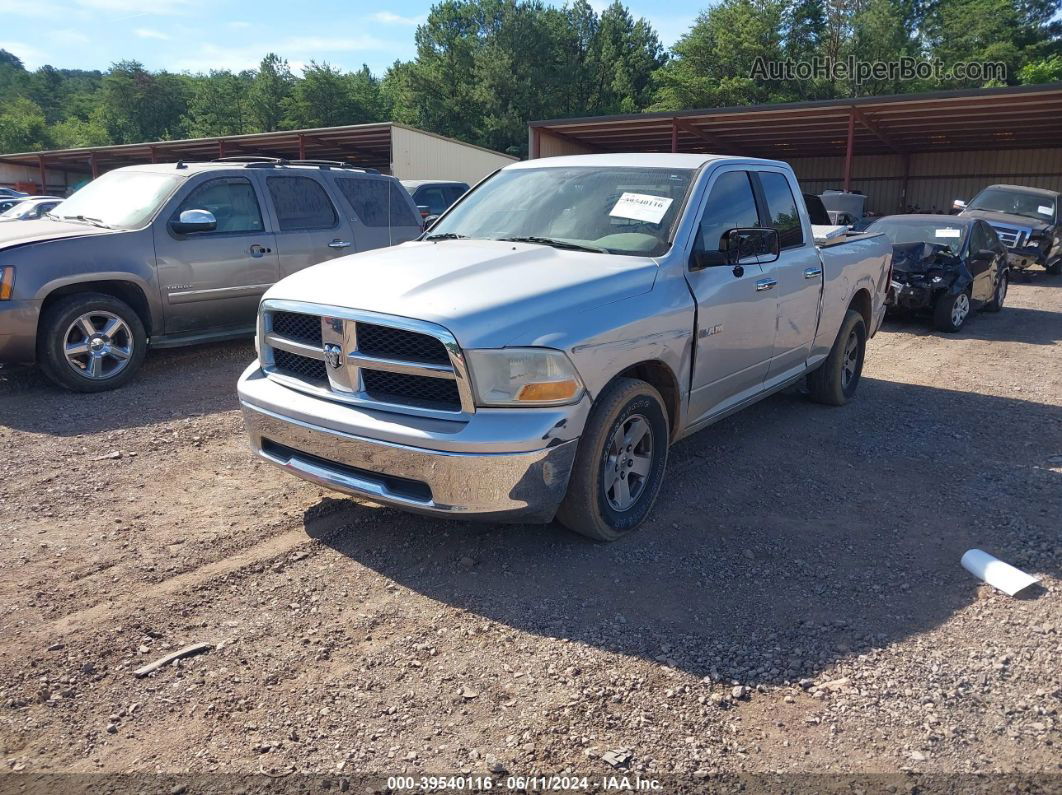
945	265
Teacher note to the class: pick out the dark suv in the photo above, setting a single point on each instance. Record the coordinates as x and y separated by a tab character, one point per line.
167	255
434	197
1026	220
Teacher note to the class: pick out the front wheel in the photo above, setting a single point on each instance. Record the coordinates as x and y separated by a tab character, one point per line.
90	342
835	381
951	311
620	464
1055	267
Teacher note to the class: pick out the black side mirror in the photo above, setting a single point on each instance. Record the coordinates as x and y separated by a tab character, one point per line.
737	244
192	221
429	221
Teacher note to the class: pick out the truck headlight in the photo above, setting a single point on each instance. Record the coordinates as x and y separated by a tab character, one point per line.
523	377
7	283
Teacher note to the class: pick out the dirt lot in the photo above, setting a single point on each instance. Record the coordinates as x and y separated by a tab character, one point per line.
795	604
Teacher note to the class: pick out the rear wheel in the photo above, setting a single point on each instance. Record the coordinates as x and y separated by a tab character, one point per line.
1000	294
620	464
835	381
90	342
951	311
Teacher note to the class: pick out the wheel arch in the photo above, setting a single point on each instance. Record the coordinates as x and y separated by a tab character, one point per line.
130	292
662	378
863	304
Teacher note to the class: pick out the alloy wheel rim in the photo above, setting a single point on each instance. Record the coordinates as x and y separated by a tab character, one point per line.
960	309
851	359
628	462
98	345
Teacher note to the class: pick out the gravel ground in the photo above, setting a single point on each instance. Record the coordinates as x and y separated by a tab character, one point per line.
795	604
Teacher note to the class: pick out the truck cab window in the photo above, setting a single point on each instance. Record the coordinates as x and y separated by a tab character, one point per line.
231	200
301	203
731	204
782	209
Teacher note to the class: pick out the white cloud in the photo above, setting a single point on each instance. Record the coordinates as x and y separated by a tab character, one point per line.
139	8
389	18
239	24
148	33
298	50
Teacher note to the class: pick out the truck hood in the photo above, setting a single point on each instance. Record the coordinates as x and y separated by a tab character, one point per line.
1024	221
488	293
26	232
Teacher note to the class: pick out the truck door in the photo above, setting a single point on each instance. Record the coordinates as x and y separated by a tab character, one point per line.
309	230
735	312
797	276
214	280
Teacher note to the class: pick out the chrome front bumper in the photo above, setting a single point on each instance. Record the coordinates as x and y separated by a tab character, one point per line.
479	481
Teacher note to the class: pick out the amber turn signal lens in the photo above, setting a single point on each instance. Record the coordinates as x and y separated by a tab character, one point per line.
549	390
7	283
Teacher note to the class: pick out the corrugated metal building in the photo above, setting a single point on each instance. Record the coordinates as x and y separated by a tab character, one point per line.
405	152
910	150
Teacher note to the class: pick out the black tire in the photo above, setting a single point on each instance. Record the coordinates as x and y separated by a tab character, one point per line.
947	314
1055	267
835	381
57	327
588	508
1000	295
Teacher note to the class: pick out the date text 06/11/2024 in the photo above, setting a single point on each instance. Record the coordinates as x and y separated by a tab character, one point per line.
524	783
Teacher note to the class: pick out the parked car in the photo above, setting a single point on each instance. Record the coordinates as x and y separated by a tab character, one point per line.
945	264
166	255
11	193
30	208
6	203
536	352
1026	220
434	197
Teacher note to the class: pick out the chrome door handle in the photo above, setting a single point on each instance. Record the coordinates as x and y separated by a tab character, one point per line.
812	273
765	284
339	244
257	250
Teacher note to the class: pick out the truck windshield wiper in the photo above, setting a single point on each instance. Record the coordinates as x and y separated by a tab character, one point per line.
85	219
447	236
551	241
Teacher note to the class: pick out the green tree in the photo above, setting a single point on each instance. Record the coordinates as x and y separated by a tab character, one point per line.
23	127
1046	70
221	104
269	92
322	98
142	105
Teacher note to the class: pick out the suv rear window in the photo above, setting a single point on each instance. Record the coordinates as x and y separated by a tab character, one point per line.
301	203
377	201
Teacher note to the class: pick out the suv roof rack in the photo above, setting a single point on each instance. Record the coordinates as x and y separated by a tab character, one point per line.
327	164
252	160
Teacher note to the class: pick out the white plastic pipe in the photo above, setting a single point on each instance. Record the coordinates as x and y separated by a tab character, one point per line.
996	573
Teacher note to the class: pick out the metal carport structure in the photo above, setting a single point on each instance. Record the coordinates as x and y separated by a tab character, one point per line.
391	148
902	150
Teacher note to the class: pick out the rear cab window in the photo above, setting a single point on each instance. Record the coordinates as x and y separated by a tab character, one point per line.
782	212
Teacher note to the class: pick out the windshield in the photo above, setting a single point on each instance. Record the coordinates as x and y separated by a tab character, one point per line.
18	210
1031	205
120	199
904	231
614	210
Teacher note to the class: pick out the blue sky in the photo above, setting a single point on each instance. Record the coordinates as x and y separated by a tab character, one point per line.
198	35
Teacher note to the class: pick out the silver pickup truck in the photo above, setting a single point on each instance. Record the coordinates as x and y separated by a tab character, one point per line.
536	352
177	253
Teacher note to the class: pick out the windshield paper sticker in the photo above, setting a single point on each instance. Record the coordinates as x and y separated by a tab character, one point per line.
1044	210
641	207
949	233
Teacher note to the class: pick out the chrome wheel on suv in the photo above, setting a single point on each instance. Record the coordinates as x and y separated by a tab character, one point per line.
98	345
90	342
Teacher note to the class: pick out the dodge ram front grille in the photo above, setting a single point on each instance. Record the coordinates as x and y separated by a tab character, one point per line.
396	343
291	364
364	358
297	326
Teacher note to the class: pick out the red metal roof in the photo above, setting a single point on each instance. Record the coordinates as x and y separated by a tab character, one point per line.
1020	117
